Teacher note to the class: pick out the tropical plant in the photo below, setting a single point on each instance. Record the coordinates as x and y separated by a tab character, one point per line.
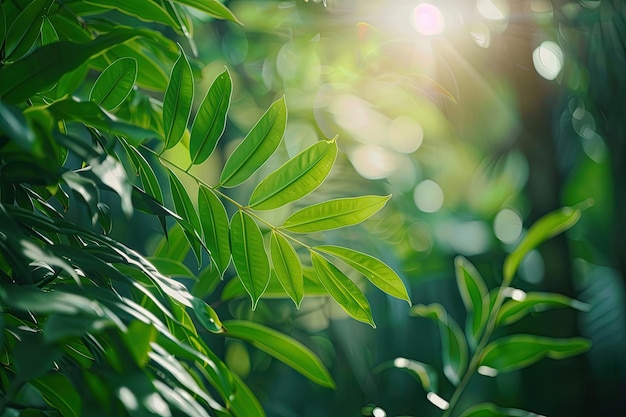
93	325
474	349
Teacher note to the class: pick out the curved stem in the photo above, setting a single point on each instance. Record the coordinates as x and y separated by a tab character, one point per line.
475	360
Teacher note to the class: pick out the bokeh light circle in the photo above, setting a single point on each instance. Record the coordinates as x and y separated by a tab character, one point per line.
427	19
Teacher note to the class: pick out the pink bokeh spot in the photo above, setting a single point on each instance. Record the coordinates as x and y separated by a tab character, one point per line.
427	19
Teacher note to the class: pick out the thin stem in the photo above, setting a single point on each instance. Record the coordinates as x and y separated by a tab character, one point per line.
475	360
239	206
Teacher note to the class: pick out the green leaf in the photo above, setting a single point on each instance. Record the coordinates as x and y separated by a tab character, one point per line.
111	173
491	410
3	25
177	101
24	31
210	121
207	316
185	209
207	280
243	402
425	374
546	227
59	392
513	310
296	178
249	255
287	266
14	125
180	399
114	83
147	11
171	267
376	271
257	146
32	358
173	245
342	289
85	189
59	327
312	286
282	347
212	7
518	351
138	338
334	214
453	343
42	68
215	227
48	32
146	173
475	297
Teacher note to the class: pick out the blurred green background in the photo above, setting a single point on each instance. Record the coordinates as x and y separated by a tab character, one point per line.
479	117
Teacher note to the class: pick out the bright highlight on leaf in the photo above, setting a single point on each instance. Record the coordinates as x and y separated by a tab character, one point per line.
249	257
287	266
257	146
342	289
475	297
296	178
376	271
334	214
215	228
283	348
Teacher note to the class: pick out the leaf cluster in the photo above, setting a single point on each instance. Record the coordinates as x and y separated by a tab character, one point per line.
90	326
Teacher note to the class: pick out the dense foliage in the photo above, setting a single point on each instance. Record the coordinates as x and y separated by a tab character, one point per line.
151	214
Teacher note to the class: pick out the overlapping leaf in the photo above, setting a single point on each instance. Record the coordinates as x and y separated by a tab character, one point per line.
146	173
475	297
211	7
249	256
283	348
334	214
296	178
455	355
207	316
24	31
114	83
215	227
518	351
177	101
185	209
491	410
42	68
287	266
342	289
257	146
210	120
376	271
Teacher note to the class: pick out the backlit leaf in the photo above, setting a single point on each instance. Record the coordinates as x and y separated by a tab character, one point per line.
283	348
334	214
210	120
296	178
518	351
146	173
177	101
257	146
48	32
287	266
207	316
249	255
455	355
215	227
211	7
513	310
342	289
546	227
475	297
376	271
114	83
